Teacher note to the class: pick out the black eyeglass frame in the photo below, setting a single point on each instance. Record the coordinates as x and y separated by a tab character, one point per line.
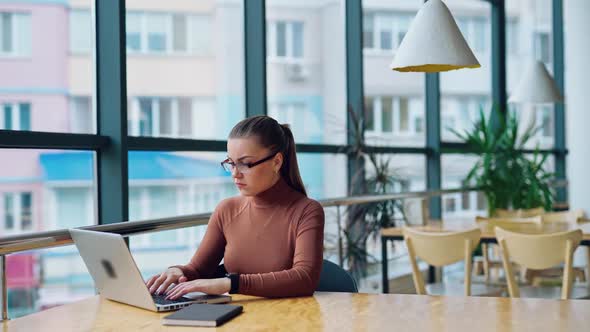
249	165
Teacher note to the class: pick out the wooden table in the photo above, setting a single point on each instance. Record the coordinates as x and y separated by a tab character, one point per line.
332	312
487	235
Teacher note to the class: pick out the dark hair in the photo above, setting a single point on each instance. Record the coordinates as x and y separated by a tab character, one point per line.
277	138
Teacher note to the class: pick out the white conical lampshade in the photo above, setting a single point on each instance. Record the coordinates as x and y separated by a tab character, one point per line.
433	43
536	86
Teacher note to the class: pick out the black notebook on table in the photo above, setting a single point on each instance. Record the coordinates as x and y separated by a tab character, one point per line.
200	314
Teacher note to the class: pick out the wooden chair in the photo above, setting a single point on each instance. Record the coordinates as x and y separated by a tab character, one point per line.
487	263
519	213
440	249
538	251
571	217
538	277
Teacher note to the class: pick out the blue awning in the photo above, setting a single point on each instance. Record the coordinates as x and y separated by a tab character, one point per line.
143	165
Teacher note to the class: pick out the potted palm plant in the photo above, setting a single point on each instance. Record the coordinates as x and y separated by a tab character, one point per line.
507	176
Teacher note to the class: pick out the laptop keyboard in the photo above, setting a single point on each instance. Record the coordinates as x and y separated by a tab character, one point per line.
161	299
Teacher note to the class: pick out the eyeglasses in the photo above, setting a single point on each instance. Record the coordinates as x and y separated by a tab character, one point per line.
243	168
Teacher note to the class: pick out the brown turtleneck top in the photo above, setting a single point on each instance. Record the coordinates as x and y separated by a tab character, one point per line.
274	240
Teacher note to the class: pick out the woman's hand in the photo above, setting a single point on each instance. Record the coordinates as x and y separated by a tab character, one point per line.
160	283
208	286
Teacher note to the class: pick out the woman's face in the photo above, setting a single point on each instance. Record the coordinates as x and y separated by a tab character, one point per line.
254	180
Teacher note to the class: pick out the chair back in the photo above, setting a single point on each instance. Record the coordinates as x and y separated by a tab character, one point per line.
510	220
538	251
335	279
439	249
570	217
519	213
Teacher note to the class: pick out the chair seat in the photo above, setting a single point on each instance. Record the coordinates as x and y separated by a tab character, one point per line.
458	289
579	292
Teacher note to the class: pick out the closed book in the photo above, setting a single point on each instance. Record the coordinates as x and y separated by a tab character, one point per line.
200	314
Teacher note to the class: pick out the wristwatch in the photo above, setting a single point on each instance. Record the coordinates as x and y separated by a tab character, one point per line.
235	282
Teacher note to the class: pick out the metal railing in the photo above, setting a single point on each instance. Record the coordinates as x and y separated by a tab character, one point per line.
43	240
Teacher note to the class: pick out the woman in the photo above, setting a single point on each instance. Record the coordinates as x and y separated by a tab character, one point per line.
270	237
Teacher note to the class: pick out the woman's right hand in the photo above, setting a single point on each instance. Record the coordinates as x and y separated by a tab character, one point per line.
159	283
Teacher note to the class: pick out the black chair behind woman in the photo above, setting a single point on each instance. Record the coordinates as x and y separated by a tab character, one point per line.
335	279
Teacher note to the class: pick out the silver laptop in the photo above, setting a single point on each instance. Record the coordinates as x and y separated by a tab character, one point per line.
117	277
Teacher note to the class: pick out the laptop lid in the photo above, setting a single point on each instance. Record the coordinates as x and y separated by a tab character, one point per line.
112	267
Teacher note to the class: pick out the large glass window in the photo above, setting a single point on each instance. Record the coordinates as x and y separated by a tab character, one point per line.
394	102
534	33
167	184
45	57
182	83
454	169
305	57
45	190
466	92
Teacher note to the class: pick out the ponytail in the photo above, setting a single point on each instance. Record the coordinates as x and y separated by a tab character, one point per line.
290	168
277	138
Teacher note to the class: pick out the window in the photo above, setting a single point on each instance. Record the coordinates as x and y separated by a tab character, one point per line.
481	201
286	39
384	22
167	33
396	115
387	114
168	117
83	120
157	34
474	30
16	116
369	113
80	31
18	213
368	31
385	30
19	299
543	46
512	32
544	120
15	34
133	32
449	204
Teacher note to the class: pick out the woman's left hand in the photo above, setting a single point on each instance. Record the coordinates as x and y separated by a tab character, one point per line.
208	286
